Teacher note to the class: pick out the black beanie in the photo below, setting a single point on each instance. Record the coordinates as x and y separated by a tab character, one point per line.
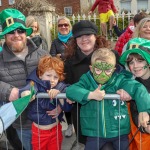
84	27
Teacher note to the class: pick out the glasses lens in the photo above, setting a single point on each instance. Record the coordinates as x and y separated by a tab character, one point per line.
19	31
65	25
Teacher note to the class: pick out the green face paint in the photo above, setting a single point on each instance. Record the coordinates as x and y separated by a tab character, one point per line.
102	71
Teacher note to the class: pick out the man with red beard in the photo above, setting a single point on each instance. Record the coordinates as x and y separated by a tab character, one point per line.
18	59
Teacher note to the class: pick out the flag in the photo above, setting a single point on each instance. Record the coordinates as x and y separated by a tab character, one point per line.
10	112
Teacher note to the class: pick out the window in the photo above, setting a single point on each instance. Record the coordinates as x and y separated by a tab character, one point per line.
142	5
68	11
0	2
11	2
125	5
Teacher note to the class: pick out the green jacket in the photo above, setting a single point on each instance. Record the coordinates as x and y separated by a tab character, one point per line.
104	118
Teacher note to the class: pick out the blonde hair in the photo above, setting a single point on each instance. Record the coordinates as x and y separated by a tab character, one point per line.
105	55
30	20
140	25
66	19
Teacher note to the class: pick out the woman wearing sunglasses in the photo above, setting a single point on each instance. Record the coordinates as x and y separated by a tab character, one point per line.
64	35
57	49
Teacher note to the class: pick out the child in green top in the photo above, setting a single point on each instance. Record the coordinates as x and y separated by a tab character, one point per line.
102	120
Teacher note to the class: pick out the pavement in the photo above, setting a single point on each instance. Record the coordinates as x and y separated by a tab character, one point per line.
66	145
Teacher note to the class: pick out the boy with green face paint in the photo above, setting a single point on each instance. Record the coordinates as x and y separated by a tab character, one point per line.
102	120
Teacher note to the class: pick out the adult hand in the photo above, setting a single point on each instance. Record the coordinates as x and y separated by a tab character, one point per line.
14	94
147	129
143	119
55	112
124	96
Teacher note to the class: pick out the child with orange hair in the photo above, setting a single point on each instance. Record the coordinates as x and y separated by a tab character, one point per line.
46	127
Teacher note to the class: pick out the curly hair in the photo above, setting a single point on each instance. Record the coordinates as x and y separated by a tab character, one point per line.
47	63
72	46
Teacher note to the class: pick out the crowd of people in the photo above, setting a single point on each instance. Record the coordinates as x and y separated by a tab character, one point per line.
81	64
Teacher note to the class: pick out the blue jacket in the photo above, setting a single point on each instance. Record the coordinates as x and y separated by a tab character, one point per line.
37	108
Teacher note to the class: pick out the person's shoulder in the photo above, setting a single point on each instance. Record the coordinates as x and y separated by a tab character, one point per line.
56	40
125	73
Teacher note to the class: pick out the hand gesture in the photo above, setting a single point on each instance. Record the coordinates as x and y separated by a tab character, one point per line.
97	94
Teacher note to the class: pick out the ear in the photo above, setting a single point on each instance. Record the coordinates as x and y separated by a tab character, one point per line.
91	69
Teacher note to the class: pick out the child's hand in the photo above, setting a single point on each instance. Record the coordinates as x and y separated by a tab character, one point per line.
53	93
143	119
69	101
25	93
124	96
97	94
90	12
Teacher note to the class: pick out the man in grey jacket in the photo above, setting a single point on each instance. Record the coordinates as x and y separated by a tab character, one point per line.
18	59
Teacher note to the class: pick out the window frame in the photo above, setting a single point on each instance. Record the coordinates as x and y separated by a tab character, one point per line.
69	12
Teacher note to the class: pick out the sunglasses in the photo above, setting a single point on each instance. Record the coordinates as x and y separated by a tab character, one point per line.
19	31
63	25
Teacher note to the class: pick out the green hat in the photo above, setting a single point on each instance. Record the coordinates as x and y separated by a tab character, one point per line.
137	45
11	19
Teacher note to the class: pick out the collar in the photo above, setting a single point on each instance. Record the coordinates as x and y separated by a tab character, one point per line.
64	38
79	57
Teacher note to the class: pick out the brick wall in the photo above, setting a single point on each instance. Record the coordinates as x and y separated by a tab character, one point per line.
60	4
5	4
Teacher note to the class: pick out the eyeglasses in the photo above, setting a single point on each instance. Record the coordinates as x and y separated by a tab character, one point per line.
19	31
63	25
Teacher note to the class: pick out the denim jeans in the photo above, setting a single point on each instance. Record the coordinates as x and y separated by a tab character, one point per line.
97	143
25	138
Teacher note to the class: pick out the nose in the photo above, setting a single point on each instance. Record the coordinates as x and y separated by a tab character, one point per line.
135	64
16	33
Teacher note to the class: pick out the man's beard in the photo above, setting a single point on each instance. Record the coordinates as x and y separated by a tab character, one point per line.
17	48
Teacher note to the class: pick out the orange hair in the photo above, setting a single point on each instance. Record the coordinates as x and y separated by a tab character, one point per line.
47	62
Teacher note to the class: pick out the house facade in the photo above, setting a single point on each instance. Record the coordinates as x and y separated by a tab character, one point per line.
70	7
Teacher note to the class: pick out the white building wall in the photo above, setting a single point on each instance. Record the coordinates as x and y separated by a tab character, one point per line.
133	5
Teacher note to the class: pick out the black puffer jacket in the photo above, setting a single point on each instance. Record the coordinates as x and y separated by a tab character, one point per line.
14	71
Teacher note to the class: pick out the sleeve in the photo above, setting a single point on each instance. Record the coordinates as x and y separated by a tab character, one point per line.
113	7
94	5
5	91
78	92
53	50
117	31
134	115
27	87
138	92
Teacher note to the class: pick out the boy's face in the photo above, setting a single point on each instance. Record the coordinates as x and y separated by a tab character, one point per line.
139	68
102	71
51	76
